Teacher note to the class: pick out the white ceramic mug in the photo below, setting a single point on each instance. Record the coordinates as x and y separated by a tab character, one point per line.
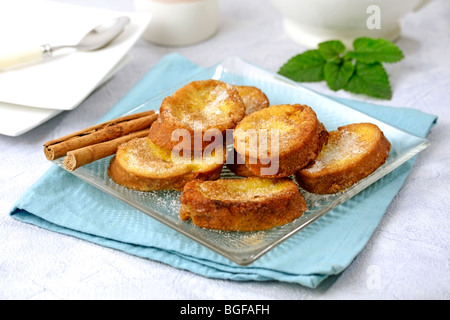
309	22
179	22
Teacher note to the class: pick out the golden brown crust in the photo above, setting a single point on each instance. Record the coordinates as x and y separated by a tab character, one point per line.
236	164
353	152
249	204
301	137
140	165
208	104
254	99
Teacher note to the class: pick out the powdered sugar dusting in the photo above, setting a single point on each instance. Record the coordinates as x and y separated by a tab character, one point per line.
213	107
346	145
141	155
250	189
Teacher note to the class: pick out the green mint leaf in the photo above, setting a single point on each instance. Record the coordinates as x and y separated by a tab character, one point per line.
359	71
305	67
331	50
370	50
370	79
337	75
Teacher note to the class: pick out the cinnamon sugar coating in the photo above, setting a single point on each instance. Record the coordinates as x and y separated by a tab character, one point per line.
141	165
297	139
254	99
197	107
249	204
352	153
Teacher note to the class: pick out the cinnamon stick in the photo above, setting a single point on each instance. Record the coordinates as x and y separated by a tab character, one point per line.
105	131
88	154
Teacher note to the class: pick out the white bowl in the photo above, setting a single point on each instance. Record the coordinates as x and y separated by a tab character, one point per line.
309	22
179	22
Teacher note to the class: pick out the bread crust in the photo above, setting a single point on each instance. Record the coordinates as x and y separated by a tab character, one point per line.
211	104
353	152
217	205
254	98
138	166
236	164
301	137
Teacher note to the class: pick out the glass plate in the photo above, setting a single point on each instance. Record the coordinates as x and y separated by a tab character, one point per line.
245	247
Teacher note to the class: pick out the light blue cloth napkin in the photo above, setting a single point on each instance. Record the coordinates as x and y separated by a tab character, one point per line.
324	248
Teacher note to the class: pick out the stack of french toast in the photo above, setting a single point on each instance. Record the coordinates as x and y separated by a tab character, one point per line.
275	149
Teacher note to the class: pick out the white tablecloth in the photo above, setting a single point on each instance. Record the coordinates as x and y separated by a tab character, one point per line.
408	256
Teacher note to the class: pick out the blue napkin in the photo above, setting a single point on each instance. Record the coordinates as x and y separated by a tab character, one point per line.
324	248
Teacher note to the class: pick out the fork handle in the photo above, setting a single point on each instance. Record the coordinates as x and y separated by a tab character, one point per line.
12	59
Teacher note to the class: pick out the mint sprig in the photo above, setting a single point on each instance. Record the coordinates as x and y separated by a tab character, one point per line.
358	71
305	67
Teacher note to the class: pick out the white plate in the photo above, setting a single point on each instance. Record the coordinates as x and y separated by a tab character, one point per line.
245	247
16	120
64	81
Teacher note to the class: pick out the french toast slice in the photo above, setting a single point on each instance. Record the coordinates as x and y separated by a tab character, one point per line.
141	165
254	98
249	204
279	140
194	109
352	153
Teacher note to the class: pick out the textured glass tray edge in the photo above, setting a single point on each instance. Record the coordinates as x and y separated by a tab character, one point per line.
248	257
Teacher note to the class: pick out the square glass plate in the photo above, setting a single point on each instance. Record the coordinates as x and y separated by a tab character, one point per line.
245	247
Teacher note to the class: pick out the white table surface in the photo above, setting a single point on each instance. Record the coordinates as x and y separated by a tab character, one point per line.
409	251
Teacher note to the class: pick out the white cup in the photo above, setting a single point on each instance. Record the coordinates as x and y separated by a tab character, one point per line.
309	22
179	22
